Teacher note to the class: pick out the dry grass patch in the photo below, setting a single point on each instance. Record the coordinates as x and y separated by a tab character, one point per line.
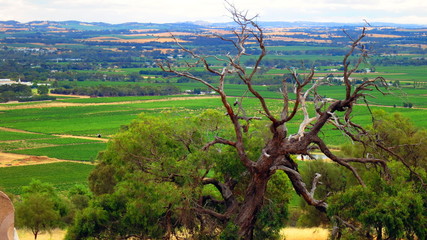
305	233
279	33
144	40
144	30
162	34
218	31
383	35
162	50
13	160
289	39
26	234
423	46
289	233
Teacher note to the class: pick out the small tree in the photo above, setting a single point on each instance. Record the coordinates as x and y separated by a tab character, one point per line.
40	208
37	213
43	90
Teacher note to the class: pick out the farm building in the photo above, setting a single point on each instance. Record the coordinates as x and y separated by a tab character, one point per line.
10	82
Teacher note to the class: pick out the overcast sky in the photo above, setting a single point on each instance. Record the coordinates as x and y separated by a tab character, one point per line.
165	11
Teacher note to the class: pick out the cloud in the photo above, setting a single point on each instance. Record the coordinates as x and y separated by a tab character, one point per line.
118	11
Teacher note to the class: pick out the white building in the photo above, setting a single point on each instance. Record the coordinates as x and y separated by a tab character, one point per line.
6	81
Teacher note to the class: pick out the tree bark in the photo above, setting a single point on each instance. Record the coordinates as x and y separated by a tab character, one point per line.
254	199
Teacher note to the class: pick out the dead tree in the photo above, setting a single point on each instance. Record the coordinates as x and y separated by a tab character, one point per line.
277	154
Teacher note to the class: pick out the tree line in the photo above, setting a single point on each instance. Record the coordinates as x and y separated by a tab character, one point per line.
115	91
23	93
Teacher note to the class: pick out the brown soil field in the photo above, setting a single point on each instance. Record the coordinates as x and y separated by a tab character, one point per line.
423	46
144	30
280	33
163	34
277	38
382	35
13	160
4	29
218	31
144	40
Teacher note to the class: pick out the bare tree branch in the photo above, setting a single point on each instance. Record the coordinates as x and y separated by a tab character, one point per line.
218	140
300	187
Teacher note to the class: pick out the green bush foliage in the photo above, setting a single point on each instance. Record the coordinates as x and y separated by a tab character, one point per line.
148	183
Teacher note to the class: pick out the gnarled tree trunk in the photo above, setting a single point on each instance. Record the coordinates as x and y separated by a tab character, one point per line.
278	151
254	200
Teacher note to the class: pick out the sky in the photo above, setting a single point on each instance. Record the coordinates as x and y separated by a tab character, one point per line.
167	11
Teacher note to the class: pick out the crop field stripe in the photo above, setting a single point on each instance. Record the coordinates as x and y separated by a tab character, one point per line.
10	135
62	175
78	152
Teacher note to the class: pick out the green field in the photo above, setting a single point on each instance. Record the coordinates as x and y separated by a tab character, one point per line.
403	73
91	117
8	136
80	152
116	99
106	120
416	96
62	175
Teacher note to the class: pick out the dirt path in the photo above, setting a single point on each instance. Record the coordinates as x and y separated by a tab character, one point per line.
13	159
68	104
81	137
67	96
15	130
58	135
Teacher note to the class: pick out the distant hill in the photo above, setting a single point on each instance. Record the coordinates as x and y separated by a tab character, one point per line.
93	26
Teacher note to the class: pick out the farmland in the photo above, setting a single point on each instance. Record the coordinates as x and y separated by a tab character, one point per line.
95	70
125	55
41	127
70	174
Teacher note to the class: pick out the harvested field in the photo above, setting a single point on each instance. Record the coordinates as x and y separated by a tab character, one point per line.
163	34
143	40
12	159
289	39
373	35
